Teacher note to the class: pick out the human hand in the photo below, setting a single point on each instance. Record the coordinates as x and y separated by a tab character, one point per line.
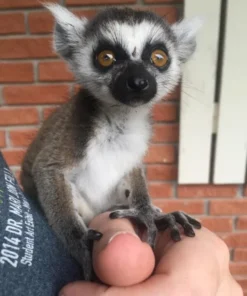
191	267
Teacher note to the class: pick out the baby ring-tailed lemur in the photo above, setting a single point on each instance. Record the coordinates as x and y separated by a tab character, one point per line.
86	157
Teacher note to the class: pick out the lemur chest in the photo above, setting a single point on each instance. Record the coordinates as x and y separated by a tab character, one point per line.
110	155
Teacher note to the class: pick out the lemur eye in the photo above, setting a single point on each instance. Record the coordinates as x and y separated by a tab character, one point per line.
106	58
159	58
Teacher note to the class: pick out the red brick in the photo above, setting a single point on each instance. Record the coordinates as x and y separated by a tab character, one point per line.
12	23
217	224
161	172
22	3
165	112
160	190
242	223
43	21
88	13
210	191
22	137
13	72
191	207
40	22
160	154
228	207
97	2
163	1
2	139
36	94
17	116
168	13
238	268
54	71
171	13
48	111
13	157
165	133
240	254
242	282
26	48
236	240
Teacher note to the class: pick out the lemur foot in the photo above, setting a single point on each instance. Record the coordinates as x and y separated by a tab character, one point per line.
154	221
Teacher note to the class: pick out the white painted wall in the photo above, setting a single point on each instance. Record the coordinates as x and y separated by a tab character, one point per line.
199	116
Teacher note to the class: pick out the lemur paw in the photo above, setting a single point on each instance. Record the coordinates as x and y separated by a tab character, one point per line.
165	221
145	217
86	245
87	265
154	220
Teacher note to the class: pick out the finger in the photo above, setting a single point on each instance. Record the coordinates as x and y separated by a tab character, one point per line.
157	285
120	258
192	261
188	271
230	287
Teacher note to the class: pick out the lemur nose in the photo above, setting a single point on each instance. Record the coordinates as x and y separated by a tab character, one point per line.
137	83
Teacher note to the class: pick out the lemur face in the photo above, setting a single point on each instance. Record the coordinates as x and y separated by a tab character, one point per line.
124	56
129	57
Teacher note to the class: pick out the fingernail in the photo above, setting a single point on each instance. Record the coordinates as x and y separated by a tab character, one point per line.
121	232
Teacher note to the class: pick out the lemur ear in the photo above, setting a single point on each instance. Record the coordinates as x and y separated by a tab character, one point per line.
68	30
185	32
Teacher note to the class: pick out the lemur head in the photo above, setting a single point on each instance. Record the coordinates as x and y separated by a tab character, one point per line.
122	55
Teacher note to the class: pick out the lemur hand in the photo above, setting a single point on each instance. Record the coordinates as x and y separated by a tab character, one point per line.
85	244
154	221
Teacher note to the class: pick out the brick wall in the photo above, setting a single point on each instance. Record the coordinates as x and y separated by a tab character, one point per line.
33	81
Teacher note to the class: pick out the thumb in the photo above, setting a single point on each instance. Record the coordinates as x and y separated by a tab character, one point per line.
120	258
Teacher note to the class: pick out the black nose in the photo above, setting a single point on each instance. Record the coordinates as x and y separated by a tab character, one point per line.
137	83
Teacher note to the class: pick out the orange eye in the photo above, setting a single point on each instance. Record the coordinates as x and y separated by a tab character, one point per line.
159	58
106	58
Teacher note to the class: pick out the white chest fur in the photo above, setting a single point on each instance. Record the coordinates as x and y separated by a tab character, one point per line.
110	155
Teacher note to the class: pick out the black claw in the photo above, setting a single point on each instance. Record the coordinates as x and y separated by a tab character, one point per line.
188	230
114	215
94	235
98	236
197	225
194	222
175	235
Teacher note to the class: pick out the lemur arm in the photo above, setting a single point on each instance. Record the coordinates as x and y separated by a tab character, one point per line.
56	198
145	213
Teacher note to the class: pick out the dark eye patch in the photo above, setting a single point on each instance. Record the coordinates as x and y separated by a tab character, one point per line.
147	52
120	54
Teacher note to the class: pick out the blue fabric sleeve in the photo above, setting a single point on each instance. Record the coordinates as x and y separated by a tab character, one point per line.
32	260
